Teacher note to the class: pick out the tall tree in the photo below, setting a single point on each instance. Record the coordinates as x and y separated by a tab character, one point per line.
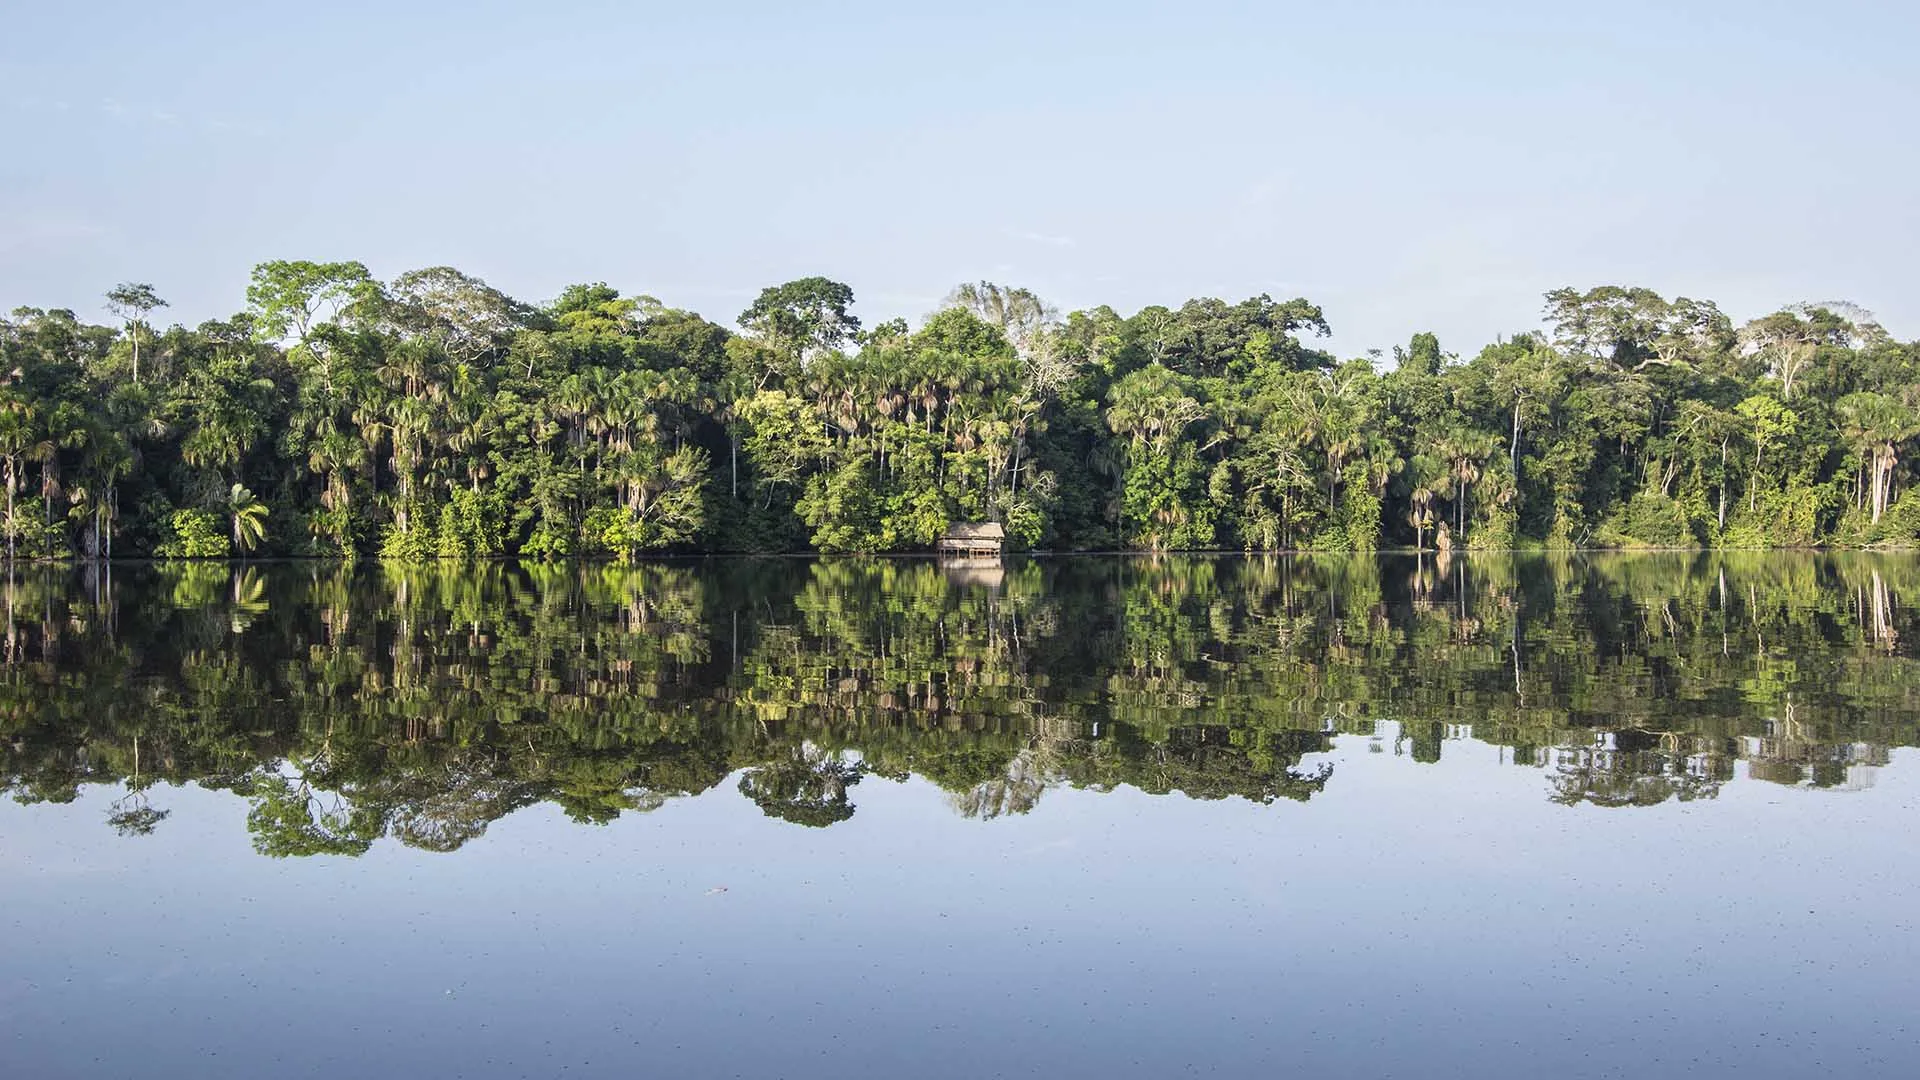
1879	426
802	320
289	297
132	301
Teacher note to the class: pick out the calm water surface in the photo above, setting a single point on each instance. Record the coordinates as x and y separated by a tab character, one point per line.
1518	816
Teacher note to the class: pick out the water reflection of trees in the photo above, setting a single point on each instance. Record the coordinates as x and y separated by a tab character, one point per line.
423	704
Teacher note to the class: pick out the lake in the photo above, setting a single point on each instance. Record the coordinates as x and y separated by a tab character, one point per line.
1502	815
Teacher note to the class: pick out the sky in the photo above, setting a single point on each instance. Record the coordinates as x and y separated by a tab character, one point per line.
1408	166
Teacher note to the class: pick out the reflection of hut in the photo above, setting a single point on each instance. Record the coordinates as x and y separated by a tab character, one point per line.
982	541
981	572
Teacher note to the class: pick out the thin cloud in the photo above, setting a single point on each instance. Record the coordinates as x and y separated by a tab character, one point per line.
724	293
903	299
154	116
138	114
1048	239
39	231
33	104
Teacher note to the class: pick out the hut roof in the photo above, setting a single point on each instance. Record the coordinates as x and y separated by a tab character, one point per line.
990	530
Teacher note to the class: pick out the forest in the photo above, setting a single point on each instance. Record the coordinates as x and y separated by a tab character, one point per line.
432	416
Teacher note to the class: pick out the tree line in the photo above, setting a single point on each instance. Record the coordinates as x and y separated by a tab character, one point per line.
433	416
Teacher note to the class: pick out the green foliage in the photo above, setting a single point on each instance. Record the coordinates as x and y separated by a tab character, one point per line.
842	510
1789	517
407	543
434	416
288	297
196	534
473	525
1900	525
248	516
1163	508
1649	519
547	543
1358	520
803	319
35	535
1494	529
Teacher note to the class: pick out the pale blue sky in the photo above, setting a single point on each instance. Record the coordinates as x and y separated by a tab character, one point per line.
1407	165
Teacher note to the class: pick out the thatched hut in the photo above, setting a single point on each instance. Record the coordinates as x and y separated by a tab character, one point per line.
981	540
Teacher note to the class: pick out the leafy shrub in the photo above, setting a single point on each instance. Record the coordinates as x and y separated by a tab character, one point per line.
547	543
1781	518
1648	519
195	534
412	544
472	525
1492	529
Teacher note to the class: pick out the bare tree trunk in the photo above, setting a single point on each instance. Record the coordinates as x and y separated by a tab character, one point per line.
1513	444
1723	484
1886	484
1883	463
1873	497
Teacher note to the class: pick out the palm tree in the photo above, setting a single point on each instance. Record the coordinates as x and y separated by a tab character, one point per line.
1383	462
1425	475
1465	451
407	422
1330	415
17	442
249	517
474	425
1877	425
104	460
63	427
1151	407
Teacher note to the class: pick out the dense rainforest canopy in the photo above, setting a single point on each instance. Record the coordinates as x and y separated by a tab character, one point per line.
433	416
